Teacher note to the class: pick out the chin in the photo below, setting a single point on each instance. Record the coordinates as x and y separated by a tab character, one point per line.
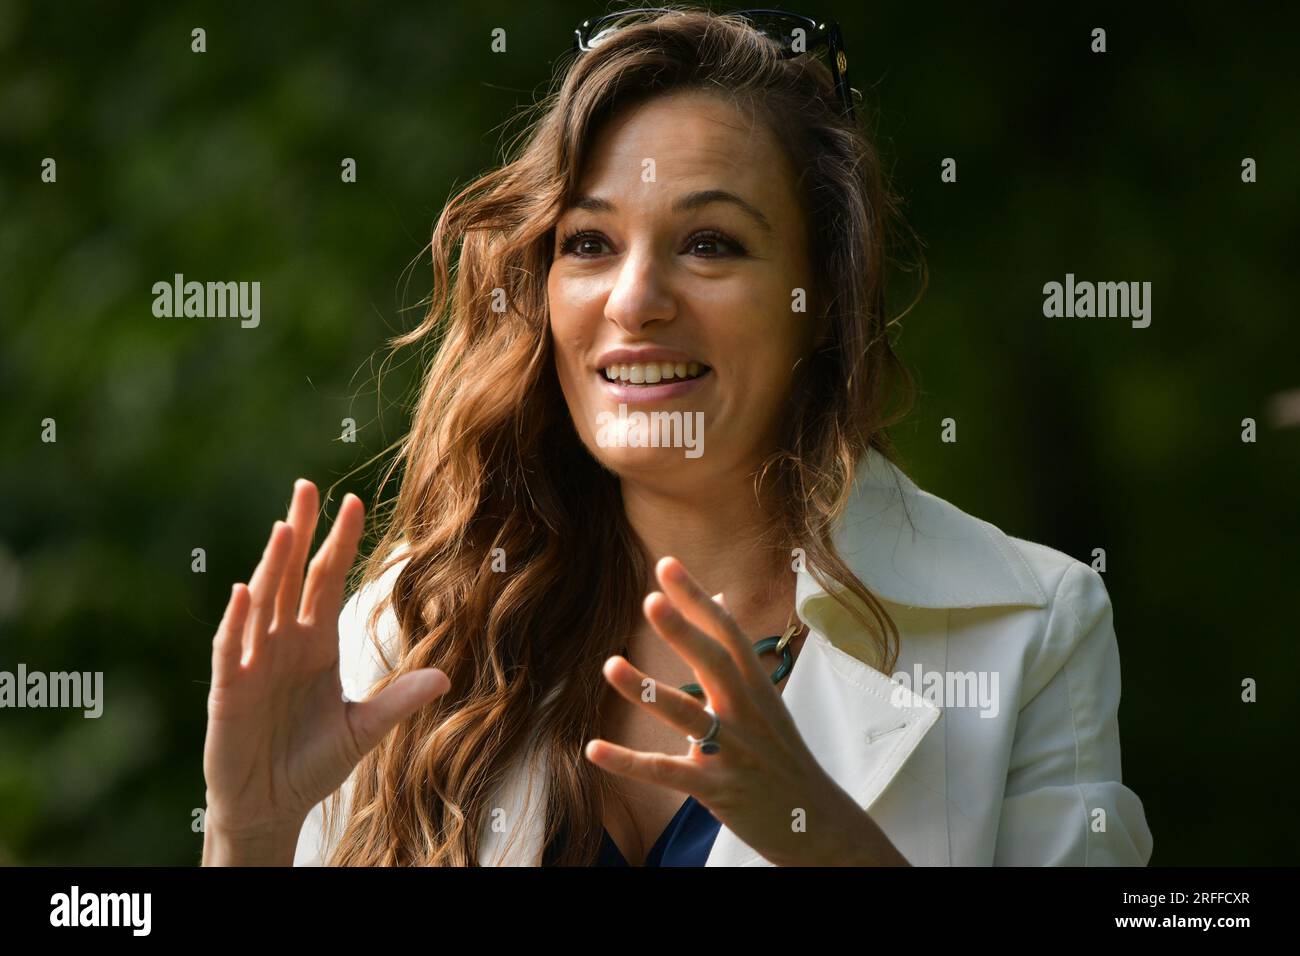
639	463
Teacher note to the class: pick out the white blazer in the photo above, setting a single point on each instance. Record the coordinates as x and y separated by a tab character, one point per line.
995	743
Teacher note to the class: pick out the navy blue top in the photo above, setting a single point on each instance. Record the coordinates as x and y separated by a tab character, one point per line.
686	841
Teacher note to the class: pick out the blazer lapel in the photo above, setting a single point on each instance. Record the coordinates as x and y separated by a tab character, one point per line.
860	725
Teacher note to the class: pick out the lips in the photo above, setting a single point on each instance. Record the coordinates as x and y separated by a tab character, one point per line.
625	392
649	373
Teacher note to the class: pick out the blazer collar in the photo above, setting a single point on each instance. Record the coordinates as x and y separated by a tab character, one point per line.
916	550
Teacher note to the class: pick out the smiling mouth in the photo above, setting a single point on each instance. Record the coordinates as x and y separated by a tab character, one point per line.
654	373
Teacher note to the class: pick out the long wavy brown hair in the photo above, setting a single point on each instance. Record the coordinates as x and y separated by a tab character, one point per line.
493	460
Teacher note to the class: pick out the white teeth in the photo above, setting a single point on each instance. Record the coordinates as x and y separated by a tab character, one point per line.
651	373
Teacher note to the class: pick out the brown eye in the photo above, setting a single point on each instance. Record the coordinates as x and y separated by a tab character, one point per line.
711	244
582	244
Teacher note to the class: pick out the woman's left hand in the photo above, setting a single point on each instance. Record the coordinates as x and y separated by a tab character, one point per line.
764	783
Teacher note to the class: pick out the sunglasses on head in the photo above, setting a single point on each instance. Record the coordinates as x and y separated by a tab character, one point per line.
794	33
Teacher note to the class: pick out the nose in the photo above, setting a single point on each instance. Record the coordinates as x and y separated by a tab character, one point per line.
641	293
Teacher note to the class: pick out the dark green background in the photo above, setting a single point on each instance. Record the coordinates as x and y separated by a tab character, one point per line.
1078	433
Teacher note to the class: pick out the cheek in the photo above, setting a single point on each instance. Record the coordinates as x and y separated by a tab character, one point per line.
563	319
571	333
763	340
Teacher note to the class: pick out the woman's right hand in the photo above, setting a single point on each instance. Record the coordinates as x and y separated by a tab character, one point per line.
281	738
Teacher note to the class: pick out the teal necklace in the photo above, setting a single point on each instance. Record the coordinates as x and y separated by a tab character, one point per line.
777	644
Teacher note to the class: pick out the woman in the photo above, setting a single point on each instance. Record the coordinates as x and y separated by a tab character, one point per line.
695	230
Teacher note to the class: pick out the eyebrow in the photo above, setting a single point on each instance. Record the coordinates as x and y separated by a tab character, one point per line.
695	200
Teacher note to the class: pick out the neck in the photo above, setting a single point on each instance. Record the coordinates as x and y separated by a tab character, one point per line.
716	531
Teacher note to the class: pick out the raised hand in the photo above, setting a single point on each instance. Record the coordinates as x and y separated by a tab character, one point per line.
280	736
764	770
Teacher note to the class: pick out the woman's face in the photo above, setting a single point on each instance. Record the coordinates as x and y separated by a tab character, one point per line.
682	268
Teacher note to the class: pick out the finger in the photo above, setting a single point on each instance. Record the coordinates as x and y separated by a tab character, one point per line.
263	586
708	615
227	646
709	659
302	518
328	574
683	774
674	707
372	719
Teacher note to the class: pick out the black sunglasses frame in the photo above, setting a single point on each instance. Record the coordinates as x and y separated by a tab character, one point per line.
819	34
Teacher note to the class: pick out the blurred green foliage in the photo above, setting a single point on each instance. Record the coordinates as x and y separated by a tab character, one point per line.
1078	433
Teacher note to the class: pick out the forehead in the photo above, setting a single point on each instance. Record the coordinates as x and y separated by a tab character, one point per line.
696	140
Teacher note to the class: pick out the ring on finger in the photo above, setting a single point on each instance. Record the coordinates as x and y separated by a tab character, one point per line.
708	744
